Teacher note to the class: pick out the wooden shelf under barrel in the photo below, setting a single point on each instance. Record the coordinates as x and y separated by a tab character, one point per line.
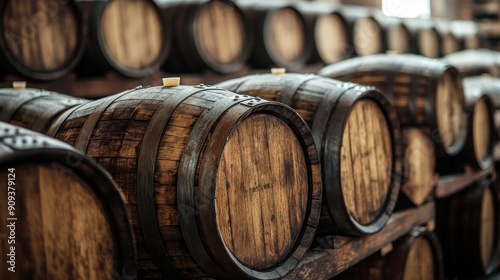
325	263
451	184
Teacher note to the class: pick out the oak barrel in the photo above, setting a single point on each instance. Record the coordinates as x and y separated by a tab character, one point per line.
65	218
327	30
449	42
279	35
359	141
34	109
130	37
466	31
468	225
425	38
216	184
416	256
475	62
367	33
425	92
481	134
40	39
419	168
210	34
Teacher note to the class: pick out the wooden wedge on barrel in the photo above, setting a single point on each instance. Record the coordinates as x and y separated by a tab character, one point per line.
359	140
66	217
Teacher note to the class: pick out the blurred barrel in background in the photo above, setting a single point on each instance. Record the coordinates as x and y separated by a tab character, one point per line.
475	62
450	43
41	39
425	38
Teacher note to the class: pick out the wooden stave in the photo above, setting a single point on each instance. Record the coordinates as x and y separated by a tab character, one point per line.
432	72
258	15
461	237
96	61
13	103
12	65
183	13
313	215
335	218
15	147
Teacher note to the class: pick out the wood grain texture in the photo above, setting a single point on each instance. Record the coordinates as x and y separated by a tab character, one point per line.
211	34
41	39
468	224
424	92
132	33
166	148
325	263
420	178
34	108
71	222
358	138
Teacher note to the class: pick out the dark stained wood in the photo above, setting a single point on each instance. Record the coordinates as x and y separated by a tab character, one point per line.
40	39
468	224
419	165
34	109
210	34
279	35
321	263
173	153
452	184
416	256
70	219
425	92
475	62
358	136
130	37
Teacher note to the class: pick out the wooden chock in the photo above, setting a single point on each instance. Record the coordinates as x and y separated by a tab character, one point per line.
171	82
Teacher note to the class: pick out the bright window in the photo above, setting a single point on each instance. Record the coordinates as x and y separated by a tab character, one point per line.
407	8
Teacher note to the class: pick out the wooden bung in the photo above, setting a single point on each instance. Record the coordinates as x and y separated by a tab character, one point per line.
40	39
34	109
468	225
475	62
279	32
67	221
210	34
419	165
130	37
327	30
425	92
217	184
417	256
359	142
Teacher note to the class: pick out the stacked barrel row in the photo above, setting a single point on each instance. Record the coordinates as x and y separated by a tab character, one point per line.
454	118
47	39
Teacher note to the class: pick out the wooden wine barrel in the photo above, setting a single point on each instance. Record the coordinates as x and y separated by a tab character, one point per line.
449	42
398	37
367	33
468	226
466	31
481	134
475	62
64	217
425	39
416	256
130	37
41	39
359	141
210	34
279	32
419	165
216	184
327	30
34	109
425	92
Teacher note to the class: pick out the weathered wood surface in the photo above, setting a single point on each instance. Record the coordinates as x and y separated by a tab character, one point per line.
451	184
321	263
359	139
69	219
425	92
40	39
177	151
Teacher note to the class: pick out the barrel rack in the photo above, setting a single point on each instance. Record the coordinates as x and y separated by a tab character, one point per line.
335	254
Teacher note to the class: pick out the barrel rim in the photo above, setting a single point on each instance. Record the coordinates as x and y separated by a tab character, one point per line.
311	219
95	22
486	161
81	45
